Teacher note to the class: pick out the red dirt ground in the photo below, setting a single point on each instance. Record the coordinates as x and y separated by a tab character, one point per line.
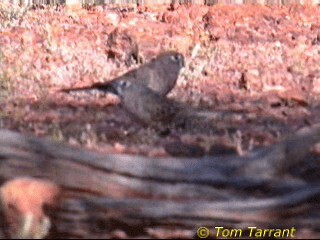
258	66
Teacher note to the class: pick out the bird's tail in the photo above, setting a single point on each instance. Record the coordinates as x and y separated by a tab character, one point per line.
97	86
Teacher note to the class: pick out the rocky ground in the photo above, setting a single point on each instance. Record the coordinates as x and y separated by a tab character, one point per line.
256	67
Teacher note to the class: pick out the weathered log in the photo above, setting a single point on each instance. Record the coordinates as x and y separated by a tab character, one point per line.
129	196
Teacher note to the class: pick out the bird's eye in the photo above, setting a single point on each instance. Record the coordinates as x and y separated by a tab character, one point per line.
178	59
124	84
175	58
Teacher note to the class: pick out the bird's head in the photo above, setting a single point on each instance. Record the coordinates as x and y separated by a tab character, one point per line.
173	58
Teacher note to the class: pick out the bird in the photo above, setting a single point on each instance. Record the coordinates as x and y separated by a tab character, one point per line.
144	104
159	74
159	112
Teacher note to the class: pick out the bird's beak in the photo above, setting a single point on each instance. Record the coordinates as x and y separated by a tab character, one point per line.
112	88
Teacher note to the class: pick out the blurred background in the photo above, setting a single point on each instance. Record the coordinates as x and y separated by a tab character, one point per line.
207	2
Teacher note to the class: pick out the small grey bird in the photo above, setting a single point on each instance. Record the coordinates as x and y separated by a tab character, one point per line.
160	74
152	109
144	104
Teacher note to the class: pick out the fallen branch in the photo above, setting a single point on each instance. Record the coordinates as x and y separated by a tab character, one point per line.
105	195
